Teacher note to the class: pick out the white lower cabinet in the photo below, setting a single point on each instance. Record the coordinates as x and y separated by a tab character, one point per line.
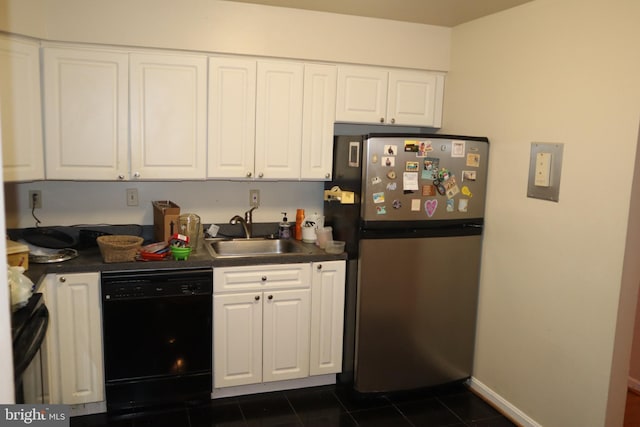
285	340
268	327
261	333
73	345
237	339
327	317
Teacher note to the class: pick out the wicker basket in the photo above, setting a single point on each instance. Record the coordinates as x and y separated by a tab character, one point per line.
119	248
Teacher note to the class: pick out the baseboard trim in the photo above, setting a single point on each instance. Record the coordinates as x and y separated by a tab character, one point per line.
88	408
312	381
501	404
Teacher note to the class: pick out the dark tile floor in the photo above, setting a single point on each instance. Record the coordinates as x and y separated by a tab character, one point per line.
327	406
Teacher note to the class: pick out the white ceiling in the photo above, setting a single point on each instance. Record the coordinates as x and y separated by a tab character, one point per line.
447	13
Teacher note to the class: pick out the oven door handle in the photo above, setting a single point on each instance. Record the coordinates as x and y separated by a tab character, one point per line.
31	338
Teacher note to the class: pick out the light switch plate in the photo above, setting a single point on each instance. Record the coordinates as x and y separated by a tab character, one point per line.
547	173
543	169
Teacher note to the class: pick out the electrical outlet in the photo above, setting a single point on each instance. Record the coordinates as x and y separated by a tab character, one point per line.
132	197
35	199
254	198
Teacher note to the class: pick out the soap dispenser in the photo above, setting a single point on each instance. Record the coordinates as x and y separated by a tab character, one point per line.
284	232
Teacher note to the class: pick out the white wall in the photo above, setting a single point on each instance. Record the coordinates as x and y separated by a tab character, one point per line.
224	26
72	203
552	274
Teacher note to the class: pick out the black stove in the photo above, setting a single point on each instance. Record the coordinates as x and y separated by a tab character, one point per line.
28	330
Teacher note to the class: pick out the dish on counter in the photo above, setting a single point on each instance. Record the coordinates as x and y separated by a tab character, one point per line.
47	257
154	252
334	247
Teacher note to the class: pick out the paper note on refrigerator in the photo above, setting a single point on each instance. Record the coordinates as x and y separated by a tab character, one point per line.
410	181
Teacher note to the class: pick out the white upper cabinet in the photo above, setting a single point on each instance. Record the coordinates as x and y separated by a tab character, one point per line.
362	94
232	117
168	116
279	119
142	114
93	98
270	119
255	118
415	98
20	110
319	111
86	114
397	97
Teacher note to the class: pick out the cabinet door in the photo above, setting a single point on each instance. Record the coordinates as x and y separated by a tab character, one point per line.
319	113
86	114
415	98
362	94
237	339
232	117
286	335
278	120
327	317
74	341
168	116
20	109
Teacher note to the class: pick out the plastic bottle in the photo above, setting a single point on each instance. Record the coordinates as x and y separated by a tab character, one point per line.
299	221
284	232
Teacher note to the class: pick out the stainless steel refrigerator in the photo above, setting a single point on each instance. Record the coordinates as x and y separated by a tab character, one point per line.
410	208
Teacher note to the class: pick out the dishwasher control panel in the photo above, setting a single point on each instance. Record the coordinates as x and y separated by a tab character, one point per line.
156	284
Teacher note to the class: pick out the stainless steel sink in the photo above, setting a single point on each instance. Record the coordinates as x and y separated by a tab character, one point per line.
253	247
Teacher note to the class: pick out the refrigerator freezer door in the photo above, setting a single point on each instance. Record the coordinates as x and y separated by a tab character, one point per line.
416	312
399	174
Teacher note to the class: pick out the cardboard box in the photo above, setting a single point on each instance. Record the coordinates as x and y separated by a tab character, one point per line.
17	254
165	219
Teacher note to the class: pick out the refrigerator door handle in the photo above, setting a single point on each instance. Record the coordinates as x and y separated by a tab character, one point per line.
471	225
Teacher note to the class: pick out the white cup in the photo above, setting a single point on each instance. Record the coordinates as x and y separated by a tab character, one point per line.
308	234
323	235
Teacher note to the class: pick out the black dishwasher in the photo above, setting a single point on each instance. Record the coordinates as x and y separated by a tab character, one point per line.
157	332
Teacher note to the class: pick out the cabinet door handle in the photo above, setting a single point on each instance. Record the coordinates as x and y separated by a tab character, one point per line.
264	278
257	297
270	297
319	267
121	177
393	121
136	175
63	279
381	119
260	175
249	174
327	175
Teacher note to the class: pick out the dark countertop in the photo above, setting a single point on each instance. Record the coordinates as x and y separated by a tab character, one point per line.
90	260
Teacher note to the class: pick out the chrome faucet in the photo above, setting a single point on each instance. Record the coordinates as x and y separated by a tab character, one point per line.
247	221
